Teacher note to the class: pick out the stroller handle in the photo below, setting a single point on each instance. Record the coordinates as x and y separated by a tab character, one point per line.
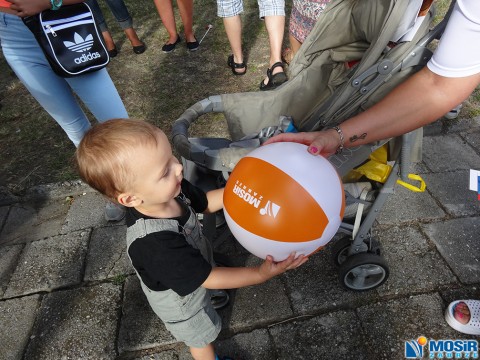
195	151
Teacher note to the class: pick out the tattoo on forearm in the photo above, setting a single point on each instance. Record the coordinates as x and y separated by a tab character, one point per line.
355	137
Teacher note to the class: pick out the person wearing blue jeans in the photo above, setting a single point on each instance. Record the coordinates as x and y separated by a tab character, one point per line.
121	14
54	93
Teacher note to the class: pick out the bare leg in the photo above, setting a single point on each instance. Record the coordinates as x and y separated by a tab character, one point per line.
233	28
294	43
205	353
185	8
289	53
133	37
165	10
275	27
108	40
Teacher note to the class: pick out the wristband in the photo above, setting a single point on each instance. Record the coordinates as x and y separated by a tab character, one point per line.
56	4
342	139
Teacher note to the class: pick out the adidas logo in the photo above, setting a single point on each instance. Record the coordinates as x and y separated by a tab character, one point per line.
80	44
86	57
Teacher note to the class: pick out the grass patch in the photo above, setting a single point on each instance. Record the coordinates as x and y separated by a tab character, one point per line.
119	279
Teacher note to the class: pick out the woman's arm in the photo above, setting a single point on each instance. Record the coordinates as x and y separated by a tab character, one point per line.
420	100
24	8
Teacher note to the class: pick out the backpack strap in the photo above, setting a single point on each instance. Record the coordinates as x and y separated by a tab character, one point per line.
143	227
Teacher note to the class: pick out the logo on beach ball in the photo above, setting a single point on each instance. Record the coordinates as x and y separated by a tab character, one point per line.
280	199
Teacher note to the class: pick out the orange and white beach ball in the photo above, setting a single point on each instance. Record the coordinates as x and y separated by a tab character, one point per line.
280	199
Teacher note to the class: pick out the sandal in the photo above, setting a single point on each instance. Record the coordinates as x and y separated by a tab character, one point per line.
274	80
472	327
233	65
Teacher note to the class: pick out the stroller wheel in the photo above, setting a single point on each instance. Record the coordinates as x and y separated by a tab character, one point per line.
341	246
363	271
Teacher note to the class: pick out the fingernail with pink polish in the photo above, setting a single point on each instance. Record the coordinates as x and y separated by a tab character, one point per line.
313	149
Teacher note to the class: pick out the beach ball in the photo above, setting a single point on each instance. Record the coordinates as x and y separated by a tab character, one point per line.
279	198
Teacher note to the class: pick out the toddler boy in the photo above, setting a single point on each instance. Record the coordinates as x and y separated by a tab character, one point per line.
131	162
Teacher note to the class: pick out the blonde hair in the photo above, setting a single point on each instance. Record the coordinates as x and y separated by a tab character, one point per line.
107	151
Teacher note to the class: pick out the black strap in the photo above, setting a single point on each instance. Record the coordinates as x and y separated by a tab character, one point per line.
270	71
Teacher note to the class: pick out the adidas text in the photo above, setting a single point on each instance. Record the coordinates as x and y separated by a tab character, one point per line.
86	57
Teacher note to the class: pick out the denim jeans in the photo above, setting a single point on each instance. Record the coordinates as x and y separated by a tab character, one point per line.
118	9
54	93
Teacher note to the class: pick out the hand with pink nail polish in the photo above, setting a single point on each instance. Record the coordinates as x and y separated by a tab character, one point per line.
323	143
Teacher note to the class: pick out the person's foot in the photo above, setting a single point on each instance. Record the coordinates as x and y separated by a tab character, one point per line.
464	316
192	43
112	52
138	46
171	44
238	68
109	44
461	313
275	77
139	49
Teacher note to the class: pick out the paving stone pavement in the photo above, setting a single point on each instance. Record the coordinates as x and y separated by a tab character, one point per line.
67	290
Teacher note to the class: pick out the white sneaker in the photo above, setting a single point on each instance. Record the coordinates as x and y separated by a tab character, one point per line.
473	325
114	212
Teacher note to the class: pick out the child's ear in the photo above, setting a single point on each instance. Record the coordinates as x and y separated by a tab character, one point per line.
128	200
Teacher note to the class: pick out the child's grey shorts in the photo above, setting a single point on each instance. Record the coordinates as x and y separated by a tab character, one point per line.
190	319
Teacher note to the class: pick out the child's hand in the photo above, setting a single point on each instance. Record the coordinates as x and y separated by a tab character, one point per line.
215	201
269	268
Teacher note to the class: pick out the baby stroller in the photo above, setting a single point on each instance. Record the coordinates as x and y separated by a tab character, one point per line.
357	52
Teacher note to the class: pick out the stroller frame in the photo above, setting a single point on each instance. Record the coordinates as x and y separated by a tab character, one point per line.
357	254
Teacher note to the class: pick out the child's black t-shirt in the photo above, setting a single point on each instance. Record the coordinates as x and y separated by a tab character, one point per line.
164	260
